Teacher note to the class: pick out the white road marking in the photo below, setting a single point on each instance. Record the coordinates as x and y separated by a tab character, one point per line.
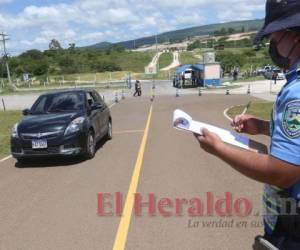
226	115
226	112
6	158
112	105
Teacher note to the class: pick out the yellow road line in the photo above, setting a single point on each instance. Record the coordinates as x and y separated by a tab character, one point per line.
128	132
121	237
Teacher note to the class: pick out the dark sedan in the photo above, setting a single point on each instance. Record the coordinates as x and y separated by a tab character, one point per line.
64	123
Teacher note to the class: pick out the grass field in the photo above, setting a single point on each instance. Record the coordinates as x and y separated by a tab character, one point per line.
259	53
252	79
188	58
8	119
134	61
101	77
165	60
261	110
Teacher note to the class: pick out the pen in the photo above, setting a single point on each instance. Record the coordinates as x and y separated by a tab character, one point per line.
246	109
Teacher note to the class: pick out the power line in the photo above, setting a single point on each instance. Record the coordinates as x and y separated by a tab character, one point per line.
3	39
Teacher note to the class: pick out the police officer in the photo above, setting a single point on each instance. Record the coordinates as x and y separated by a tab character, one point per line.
280	170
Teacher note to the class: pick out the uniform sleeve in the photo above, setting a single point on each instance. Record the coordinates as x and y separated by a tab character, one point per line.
285	144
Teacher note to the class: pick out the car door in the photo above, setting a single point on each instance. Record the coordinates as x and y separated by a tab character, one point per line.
104	116
94	114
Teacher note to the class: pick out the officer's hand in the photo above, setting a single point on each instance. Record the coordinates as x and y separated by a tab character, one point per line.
210	142
246	124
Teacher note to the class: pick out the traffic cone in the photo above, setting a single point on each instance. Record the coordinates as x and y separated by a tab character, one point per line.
152	95
200	92
116	98
152	98
249	91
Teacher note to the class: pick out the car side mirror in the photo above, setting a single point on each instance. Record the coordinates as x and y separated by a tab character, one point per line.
96	106
26	112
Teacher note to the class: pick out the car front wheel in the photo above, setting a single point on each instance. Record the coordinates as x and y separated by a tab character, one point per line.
22	161
109	131
90	145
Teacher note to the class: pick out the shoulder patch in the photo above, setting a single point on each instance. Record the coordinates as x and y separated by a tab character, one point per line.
291	119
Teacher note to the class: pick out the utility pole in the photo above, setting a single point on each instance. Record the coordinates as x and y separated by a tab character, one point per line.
157	54
5	56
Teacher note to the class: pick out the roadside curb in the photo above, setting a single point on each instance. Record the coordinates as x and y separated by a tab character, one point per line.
111	105
225	113
6	158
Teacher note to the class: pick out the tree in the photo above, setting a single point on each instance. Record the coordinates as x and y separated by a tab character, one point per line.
68	65
72	47
230	60
31	61
249	53
194	45
231	31
210	43
221	32
118	48
102	66
32	54
54	45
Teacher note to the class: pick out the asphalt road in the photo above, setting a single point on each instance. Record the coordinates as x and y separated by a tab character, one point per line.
259	89
53	204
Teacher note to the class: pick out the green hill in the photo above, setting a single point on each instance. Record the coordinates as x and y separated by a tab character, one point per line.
180	35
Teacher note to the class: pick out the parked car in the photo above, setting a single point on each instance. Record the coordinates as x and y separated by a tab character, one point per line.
269	74
65	123
280	75
263	70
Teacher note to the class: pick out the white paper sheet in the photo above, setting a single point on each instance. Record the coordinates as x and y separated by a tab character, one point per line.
183	121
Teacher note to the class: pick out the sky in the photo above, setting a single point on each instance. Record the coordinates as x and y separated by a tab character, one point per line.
32	24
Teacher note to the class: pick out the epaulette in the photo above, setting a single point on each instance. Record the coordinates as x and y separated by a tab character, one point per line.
298	72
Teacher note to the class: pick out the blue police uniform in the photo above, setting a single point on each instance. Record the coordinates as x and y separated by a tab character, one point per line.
285	144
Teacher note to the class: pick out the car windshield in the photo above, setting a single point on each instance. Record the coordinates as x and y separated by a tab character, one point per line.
55	103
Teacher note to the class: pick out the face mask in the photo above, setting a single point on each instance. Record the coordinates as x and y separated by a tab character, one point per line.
279	60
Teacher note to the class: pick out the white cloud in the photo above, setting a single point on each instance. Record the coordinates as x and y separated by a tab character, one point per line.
95	36
89	21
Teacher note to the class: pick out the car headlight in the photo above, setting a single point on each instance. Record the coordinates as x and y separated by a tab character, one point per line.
75	126
14	131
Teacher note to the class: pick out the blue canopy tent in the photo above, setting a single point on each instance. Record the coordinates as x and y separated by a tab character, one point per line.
183	68
195	79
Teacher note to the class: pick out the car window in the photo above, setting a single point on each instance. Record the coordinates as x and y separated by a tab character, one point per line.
90	99
98	97
40	105
61	102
